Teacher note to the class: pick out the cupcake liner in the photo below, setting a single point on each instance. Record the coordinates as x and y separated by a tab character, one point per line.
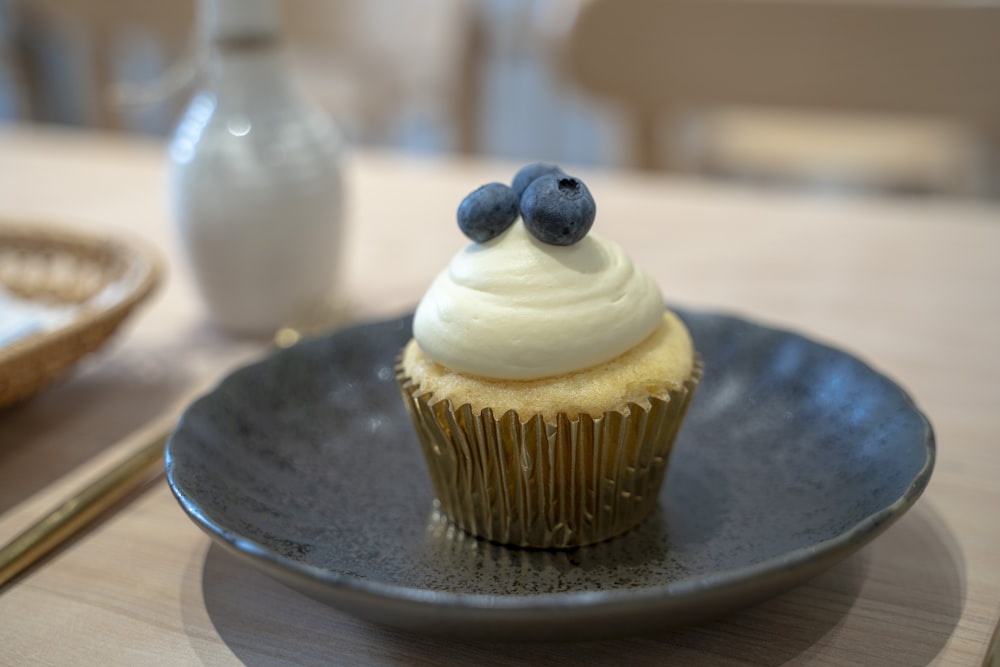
557	484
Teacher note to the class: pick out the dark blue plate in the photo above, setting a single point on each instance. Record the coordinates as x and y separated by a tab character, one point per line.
793	456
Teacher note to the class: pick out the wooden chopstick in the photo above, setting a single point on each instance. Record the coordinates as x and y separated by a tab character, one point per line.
77	511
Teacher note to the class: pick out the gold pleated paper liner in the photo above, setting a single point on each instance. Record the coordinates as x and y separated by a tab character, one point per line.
561	484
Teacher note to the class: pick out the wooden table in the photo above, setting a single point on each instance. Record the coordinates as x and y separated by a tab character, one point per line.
909	285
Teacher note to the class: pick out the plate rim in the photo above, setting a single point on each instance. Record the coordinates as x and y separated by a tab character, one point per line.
804	559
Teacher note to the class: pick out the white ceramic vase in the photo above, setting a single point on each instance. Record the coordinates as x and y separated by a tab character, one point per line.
256	179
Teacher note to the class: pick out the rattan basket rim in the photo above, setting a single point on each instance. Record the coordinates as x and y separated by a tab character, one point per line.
29	364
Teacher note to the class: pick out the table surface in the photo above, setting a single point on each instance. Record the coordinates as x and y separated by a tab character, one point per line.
909	285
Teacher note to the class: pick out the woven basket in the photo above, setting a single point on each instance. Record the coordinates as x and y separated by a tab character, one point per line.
101	278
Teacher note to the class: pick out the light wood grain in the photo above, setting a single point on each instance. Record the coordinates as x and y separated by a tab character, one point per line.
909	285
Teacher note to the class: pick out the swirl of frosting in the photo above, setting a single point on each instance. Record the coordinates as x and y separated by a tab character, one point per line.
515	308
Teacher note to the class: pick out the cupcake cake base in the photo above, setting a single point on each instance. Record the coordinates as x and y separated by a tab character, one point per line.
547	483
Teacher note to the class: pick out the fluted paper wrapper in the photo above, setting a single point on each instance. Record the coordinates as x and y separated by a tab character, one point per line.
557	484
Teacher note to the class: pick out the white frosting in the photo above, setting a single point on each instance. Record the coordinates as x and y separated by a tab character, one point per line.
515	308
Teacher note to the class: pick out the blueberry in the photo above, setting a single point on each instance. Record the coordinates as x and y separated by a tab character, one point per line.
558	209
530	173
487	211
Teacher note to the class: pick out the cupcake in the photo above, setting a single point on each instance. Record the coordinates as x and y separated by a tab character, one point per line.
545	379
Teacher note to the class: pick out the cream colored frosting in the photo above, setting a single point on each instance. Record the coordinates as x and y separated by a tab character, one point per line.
515	308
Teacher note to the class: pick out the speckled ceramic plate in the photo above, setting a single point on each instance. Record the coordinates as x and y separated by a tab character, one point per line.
793	456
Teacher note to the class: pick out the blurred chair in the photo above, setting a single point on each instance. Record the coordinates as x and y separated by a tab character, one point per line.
375	64
94	33
664	59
